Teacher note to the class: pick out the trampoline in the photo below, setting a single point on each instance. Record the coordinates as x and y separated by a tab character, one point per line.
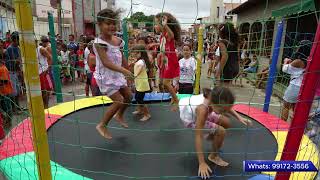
158	149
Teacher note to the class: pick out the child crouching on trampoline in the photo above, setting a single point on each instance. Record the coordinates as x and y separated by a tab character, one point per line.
110	70
204	113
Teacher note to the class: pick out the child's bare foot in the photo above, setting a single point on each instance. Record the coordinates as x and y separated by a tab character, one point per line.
217	160
137	112
174	106
103	131
146	118
121	121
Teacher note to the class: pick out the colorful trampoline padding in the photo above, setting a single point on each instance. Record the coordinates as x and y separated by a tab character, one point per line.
18	159
23	166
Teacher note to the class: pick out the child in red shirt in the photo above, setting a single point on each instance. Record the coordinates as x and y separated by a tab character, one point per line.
5	103
170	30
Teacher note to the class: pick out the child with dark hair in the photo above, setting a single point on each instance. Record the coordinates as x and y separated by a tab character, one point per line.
152	53
65	63
296	69
211	58
229	53
188	67
91	81
170	30
205	114
141	41
44	62
74	61
111	69
80	64
141	82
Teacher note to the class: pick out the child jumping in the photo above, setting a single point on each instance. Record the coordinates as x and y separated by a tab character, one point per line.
170	30
110	70
205	114
187	71
141	81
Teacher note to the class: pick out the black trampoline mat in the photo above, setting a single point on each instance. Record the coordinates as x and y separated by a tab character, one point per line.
75	144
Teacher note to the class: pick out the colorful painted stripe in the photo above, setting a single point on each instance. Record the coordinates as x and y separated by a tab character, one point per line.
18	159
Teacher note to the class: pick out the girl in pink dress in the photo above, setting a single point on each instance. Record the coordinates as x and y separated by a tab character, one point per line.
169	28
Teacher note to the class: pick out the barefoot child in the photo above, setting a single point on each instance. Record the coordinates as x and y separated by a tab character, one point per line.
170	31
141	82
205	114
110	72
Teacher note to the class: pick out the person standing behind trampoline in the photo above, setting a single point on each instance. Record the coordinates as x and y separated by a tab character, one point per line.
44	59
229	51
91	81
188	67
170	30
141	81
110	70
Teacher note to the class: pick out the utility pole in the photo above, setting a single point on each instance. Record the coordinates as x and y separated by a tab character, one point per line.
59	9
74	18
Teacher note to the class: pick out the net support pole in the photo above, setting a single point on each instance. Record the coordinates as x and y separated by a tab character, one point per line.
273	66
199	60
302	109
31	75
56	69
125	38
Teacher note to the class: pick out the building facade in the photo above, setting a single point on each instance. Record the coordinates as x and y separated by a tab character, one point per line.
85	16
258	21
7	19
40	9
218	15
108	4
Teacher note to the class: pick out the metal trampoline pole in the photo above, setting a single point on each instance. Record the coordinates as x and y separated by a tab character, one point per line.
199	60
56	69
31	76
302	109
125	38
273	67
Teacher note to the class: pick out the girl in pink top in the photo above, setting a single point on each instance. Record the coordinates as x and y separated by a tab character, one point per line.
111	70
169	28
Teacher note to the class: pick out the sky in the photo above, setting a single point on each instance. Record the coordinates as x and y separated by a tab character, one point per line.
184	10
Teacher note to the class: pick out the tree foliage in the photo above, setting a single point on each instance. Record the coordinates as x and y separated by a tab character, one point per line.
140	17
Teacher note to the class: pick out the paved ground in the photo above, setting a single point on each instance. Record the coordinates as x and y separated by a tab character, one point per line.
247	94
